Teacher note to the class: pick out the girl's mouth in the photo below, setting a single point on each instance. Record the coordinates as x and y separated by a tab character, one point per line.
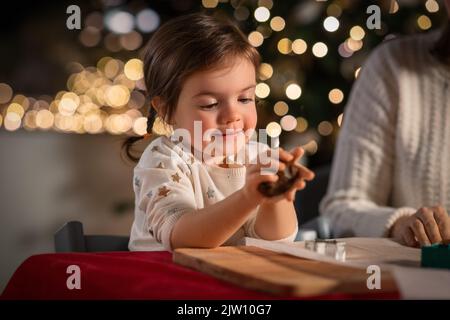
229	133
232	134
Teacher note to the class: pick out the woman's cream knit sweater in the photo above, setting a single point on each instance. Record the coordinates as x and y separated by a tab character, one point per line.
393	152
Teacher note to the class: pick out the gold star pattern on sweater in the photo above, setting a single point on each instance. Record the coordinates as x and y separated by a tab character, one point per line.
176	177
163	191
160	165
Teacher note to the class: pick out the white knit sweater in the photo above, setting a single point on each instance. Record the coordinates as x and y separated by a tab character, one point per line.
393	151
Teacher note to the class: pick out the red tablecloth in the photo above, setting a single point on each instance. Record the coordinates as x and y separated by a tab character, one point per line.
126	275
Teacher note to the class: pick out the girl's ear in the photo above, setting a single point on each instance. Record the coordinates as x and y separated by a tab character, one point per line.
156	104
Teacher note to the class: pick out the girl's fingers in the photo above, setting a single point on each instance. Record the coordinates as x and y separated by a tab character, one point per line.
297	153
305	173
272	165
299	184
284	155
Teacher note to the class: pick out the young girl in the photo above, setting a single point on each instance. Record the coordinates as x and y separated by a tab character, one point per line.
201	70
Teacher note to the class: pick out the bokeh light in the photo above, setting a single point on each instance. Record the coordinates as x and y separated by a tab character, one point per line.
331	24
118	21
280	108
117	96
262	90
273	129
320	49
265	71
293	91
285	46
210	3
277	23
299	46
302	125
134	69
262	14
325	128
357	33
424	22
6	93
256	38
288	123
147	20
336	96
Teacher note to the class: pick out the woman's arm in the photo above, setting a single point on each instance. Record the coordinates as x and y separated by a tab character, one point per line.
362	172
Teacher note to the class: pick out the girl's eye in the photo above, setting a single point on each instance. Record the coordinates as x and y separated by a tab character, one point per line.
246	100
209	106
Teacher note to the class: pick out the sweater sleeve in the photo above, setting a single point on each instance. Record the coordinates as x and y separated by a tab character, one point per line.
163	193
362	172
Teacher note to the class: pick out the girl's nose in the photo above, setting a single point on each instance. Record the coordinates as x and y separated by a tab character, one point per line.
230	114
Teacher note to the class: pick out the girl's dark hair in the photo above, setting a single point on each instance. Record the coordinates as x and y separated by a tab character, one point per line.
441	49
180	47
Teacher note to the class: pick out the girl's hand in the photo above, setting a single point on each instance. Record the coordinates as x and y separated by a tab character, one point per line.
428	225
304	174
254	176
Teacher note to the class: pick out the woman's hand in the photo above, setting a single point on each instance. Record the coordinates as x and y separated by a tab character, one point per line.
428	225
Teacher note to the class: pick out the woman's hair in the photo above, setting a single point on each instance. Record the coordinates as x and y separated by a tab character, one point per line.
441	49
181	47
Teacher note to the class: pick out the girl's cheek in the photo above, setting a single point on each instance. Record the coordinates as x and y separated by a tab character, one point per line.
208	122
251	119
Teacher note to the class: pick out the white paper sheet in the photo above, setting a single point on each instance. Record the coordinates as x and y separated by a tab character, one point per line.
360	252
422	283
413	281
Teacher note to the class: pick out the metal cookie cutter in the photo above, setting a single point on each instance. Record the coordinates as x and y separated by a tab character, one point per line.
331	248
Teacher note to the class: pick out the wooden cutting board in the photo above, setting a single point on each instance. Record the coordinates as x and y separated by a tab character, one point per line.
278	273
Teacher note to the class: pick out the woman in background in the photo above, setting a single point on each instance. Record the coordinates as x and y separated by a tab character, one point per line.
391	171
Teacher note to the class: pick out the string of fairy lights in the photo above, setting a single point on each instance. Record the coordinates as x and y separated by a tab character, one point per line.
109	97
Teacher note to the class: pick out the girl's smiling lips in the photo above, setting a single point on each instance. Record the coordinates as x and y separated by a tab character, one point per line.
229	133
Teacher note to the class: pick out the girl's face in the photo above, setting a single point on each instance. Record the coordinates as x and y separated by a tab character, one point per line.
222	98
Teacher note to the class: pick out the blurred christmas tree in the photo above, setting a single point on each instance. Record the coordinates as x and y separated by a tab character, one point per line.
312	51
